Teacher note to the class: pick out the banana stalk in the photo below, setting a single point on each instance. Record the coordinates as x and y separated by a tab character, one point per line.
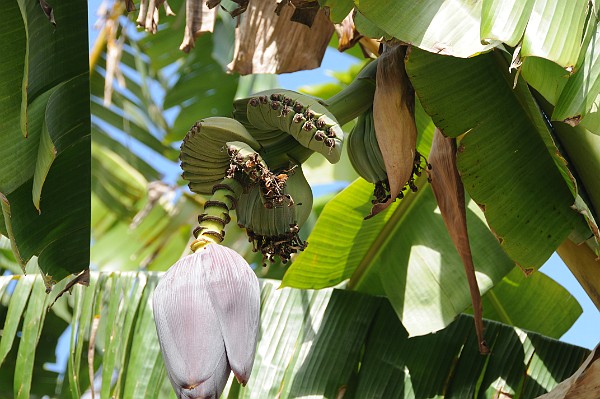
356	98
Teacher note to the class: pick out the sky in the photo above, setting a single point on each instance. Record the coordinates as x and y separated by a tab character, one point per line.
586	330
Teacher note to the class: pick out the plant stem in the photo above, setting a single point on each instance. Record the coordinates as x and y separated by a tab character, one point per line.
356	98
211	224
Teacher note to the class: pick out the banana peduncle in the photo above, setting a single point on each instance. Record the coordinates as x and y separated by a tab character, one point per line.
211	223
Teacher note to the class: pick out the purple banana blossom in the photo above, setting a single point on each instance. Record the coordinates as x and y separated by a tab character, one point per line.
206	310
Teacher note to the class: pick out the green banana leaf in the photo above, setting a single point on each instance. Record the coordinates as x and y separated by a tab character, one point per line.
407	255
507	157
521	301
561	36
45	135
156	239
312	343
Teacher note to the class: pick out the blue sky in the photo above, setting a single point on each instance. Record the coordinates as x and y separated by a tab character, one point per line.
585	332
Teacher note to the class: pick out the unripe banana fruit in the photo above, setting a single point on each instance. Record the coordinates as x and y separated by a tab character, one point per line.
206	151
363	150
273	212
366	158
299	115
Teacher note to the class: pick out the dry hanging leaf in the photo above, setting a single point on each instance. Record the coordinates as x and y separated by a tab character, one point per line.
305	10
394	116
114	49
129	5
583	384
268	43
198	19
450	195
108	21
148	15
348	36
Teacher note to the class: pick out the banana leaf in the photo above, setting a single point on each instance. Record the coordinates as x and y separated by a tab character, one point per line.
320	344
45	135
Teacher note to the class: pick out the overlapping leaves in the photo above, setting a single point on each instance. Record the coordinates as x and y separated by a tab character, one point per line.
311	343
44	106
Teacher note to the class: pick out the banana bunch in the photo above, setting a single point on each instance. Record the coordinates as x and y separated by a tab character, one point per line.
207	152
366	158
273	213
290	123
252	163
363	150
220	157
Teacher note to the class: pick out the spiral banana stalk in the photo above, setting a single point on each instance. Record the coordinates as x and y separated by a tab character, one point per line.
366	158
273	213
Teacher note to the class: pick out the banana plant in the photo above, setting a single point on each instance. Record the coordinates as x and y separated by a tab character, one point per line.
527	190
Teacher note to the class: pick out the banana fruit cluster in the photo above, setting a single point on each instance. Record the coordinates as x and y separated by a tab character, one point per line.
366	159
286	122
261	154
253	163
363	150
273	225
205	151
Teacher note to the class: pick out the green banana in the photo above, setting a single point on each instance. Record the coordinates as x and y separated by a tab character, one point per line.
299	115
366	158
273	213
363	150
206	151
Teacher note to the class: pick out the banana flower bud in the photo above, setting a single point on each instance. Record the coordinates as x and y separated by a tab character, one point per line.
206	310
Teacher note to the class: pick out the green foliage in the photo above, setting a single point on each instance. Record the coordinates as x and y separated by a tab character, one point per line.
319	343
44	108
316	343
507	159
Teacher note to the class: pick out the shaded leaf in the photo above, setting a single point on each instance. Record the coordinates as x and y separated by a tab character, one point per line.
312	343
520	300
582	384
404	253
53	151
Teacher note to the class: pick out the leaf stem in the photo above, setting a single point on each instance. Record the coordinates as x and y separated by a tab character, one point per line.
356	98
